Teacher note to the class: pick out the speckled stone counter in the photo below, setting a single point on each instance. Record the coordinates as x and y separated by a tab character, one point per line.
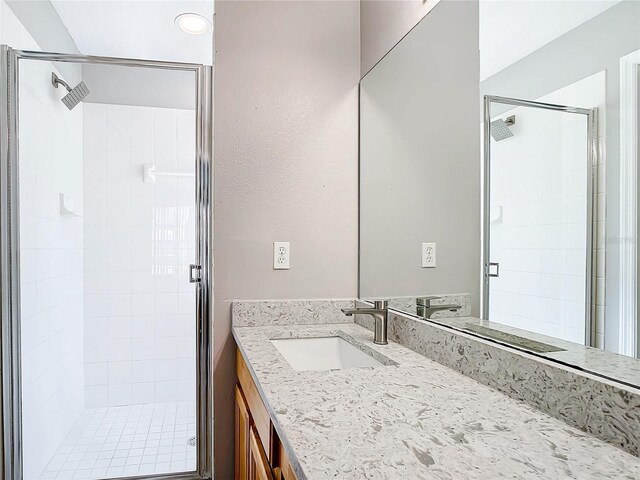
414	420
607	364
608	410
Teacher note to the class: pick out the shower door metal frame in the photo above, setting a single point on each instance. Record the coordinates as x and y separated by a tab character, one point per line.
591	115
11	461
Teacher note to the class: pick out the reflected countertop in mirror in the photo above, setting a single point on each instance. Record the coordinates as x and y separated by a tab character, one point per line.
597	361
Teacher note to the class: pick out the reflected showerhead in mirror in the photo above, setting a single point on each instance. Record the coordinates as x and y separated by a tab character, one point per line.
500	128
74	95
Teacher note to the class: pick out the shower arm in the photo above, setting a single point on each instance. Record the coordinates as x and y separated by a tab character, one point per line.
57	80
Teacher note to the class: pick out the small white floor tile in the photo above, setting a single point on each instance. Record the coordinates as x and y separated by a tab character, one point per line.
127	441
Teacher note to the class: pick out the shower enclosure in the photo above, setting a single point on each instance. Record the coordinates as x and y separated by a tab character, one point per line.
539	171
105	231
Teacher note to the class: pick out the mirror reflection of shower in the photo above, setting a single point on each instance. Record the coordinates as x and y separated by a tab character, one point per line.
75	95
500	128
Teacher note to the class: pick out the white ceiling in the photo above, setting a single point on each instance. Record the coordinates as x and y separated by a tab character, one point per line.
511	30
137	29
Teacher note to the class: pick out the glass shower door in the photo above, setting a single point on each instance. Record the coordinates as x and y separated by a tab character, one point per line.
112	333
538	218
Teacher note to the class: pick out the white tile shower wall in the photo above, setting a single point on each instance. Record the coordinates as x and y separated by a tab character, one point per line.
139	240
539	179
50	256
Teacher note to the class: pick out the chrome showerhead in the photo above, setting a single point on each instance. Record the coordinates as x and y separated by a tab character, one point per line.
75	95
500	128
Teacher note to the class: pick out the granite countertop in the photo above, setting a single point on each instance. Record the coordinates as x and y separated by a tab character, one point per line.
618	368
412	419
600	362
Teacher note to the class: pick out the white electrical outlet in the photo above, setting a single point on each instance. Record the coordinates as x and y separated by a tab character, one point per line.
428	255
281	255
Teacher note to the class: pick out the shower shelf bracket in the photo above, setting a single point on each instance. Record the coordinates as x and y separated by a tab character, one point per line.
66	207
495	214
149	173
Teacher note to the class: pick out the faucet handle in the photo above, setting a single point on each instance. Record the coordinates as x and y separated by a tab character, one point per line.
381	304
426	301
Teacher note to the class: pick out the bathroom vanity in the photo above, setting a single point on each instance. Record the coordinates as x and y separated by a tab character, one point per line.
510	352
259	453
408	417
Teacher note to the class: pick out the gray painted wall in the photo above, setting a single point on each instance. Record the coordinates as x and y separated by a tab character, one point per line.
592	47
420	160
383	23
286	146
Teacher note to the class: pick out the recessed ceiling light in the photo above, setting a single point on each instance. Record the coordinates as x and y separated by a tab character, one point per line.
192	23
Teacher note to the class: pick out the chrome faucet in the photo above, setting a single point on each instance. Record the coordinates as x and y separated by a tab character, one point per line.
425	309
379	313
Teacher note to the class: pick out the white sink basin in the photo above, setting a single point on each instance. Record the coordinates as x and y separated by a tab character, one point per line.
322	353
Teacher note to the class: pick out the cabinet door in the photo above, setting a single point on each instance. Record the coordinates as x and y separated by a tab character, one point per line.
259	467
243	428
283	470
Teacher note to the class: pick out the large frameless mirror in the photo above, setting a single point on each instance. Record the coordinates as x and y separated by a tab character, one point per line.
507	207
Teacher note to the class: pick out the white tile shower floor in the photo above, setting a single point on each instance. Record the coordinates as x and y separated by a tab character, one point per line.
127	441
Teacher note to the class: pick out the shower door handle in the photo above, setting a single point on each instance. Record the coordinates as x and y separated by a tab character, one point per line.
496	272
195	273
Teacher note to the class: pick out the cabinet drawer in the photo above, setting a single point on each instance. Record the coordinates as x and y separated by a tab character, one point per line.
259	413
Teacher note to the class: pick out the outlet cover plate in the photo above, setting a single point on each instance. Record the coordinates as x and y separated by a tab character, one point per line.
281	255
428	255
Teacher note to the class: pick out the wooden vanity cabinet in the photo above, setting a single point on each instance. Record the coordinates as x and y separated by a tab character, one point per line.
259	454
259	467
243	432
